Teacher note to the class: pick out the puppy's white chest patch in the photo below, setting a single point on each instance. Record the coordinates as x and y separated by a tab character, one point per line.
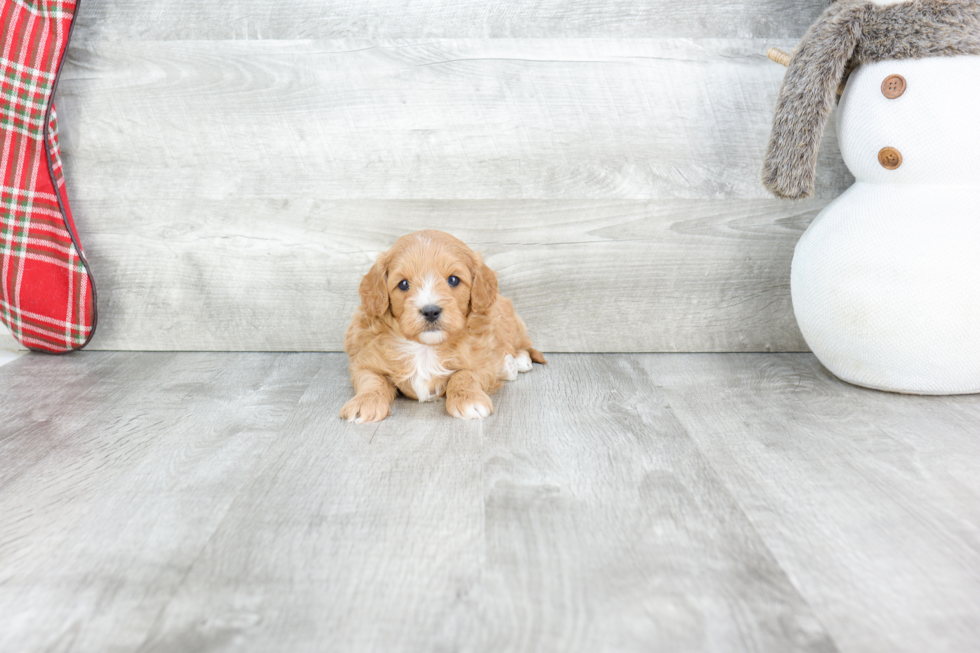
426	374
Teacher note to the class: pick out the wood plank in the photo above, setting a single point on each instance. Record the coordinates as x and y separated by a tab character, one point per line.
628	502
607	530
39	387
580	517
350	538
232	193
868	500
260	274
377	19
96	537
444	119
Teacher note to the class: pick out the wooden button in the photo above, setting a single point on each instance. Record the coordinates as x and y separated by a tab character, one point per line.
889	158
893	86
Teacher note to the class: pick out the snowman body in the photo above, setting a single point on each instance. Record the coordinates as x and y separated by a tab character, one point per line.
886	280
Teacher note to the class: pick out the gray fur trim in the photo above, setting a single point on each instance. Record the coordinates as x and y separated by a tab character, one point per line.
852	32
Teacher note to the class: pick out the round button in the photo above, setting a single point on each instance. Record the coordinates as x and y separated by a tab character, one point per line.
889	158
893	86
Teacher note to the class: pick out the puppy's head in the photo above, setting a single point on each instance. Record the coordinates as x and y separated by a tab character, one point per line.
429	282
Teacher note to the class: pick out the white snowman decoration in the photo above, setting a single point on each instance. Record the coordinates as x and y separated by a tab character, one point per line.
886	280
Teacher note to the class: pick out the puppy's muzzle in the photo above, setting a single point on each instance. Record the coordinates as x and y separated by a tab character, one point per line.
431	313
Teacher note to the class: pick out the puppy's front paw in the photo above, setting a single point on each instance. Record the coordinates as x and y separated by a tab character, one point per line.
366	408
471	405
510	368
523	361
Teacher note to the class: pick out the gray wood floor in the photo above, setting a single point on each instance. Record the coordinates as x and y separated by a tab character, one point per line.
664	502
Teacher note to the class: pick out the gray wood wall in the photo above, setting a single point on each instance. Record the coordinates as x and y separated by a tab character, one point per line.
236	166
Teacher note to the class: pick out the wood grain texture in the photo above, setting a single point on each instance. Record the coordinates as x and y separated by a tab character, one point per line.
28	434
378	19
231	191
869	500
175	502
215	502
347	538
606	530
672	275
139	469
434	119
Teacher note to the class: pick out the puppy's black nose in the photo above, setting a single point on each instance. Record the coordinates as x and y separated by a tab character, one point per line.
431	312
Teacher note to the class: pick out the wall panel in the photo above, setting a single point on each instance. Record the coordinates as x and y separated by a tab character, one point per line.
232	190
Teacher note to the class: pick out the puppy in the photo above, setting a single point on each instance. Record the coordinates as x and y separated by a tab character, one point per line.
432	323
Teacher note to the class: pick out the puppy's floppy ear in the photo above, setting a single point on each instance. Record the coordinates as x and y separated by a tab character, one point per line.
483	292
374	288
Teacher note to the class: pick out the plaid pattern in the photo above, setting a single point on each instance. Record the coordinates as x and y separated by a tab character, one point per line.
46	294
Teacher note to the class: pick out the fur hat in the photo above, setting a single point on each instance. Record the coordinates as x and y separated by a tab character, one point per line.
849	33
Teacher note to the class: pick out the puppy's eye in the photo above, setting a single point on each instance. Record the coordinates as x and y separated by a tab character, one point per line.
453	281
403	284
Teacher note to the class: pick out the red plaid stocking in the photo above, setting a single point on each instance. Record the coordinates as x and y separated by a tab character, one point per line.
47	298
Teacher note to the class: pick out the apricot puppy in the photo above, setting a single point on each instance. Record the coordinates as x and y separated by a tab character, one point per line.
432	323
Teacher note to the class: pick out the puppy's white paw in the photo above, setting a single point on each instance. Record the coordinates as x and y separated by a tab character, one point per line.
474	411
470	406
510	368
523	361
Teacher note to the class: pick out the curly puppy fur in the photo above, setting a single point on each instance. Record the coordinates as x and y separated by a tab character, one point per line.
432	323
849	33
